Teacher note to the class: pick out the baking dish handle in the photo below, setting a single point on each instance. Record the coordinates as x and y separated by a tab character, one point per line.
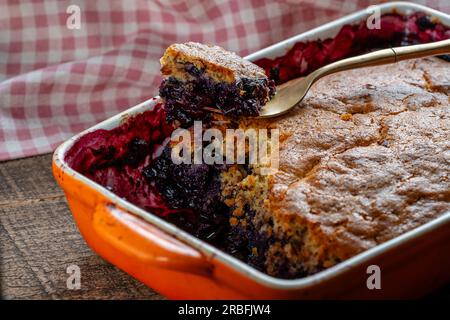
140	240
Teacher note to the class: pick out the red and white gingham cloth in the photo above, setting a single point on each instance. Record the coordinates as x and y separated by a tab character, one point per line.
56	81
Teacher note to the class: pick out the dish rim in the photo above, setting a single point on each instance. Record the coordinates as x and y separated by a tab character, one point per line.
210	251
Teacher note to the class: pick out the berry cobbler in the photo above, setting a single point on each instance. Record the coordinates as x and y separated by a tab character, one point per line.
362	159
204	78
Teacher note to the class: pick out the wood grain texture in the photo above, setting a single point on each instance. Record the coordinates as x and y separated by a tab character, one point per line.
39	240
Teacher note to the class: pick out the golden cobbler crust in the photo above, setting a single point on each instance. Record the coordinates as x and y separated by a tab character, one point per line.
365	158
220	64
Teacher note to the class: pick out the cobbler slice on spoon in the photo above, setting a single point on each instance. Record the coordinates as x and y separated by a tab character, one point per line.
201	79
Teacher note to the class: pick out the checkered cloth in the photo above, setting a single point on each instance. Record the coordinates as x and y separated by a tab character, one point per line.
56	80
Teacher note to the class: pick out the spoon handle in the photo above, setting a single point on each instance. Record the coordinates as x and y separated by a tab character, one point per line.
422	50
385	56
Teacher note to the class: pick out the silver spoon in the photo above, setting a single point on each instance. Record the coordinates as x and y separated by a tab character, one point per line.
289	94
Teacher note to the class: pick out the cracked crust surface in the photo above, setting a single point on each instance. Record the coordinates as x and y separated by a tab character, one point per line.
220	64
366	157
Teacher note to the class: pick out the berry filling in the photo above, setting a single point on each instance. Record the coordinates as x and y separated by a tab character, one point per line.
395	30
193	99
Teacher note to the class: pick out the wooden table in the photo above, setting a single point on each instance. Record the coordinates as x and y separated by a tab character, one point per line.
39	240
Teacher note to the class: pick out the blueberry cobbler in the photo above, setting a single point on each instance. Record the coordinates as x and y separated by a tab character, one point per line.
203	79
364	158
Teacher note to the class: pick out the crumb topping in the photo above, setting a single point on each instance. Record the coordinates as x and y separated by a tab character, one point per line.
220	64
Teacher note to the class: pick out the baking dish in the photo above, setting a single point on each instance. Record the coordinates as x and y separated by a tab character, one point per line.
180	266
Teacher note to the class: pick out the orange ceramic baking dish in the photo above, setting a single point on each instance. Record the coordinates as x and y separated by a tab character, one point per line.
180	266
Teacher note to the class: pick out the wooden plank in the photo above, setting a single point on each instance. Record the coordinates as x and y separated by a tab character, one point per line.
39	240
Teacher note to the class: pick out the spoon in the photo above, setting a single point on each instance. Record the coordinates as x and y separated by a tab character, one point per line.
289	94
